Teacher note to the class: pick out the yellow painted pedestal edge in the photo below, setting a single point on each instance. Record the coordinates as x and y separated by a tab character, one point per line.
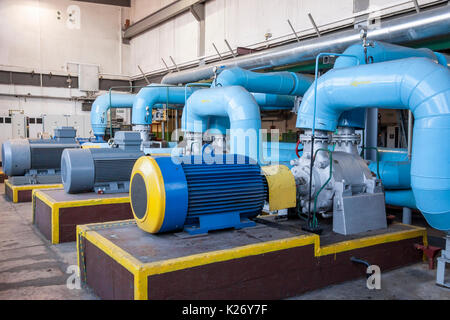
16	189
141	270
55	206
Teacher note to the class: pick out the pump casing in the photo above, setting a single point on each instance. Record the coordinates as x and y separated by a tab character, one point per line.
347	191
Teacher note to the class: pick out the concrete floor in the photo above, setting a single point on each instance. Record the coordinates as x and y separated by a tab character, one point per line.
31	268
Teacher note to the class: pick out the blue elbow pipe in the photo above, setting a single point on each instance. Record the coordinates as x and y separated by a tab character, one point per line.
234	103
284	83
393	174
380	52
417	84
102	104
395	168
152	95
400	198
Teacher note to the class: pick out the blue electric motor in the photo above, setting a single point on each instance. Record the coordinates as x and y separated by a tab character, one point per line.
194	195
103	170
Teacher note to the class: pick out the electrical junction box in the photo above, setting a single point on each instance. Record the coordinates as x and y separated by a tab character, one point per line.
393	137
159	115
88	77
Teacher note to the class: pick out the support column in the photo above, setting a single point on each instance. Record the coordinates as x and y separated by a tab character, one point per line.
371	133
198	11
407	216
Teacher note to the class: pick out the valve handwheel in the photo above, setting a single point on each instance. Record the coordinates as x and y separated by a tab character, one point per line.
297	149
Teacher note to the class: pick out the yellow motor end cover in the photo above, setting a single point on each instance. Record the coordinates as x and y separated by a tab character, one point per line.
147	169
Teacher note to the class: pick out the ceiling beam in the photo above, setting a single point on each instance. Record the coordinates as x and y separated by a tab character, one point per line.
162	15
121	3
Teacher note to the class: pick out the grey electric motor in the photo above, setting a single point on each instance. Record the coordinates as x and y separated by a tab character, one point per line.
104	170
37	161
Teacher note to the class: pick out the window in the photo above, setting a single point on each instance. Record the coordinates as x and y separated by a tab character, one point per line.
32	120
1	119
7	119
38	120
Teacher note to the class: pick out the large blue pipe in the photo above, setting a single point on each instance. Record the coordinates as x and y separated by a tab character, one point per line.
382	52
268	102
102	104
393	154
393	174
284	83
234	103
417	84
400	198
395	168
379	52
152	95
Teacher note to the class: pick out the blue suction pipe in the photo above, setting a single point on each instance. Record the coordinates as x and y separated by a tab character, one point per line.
150	96
400	198
102	104
417	84
233	104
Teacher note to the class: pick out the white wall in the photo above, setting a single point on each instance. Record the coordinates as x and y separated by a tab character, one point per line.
37	107
32	36
177	38
242	22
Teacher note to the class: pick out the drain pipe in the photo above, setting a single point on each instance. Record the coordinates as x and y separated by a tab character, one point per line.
417	84
102	104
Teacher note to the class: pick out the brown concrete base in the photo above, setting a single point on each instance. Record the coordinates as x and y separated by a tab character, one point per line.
3	177
270	261
23	193
56	214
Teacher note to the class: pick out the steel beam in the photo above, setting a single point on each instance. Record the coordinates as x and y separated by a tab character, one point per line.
121	3
158	17
198	11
